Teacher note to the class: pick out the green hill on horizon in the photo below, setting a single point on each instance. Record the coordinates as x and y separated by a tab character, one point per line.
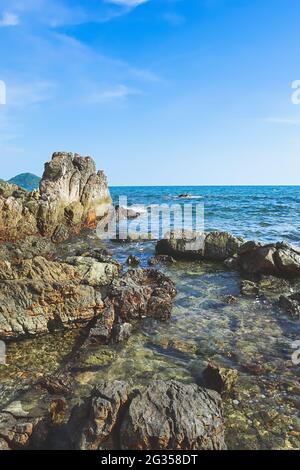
27	181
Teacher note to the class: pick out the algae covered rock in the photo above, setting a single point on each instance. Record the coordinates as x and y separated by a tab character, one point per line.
220	379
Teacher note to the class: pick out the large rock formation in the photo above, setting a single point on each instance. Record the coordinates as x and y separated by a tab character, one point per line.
72	194
38	295
93	420
214	246
251	257
166	415
171	415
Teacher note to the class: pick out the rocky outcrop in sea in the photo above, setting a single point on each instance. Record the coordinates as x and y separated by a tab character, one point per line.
72	194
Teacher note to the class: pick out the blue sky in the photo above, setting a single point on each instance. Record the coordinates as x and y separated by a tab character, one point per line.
158	92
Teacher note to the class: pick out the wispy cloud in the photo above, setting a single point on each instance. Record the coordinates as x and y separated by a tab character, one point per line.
80	50
285	121
116	93
9	19
31	93
127	3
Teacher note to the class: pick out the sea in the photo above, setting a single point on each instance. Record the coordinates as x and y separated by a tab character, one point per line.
263	213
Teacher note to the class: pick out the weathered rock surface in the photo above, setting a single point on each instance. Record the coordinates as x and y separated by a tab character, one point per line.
164	415
279	259
215	246
72	194
172	415
252	258
142	293
137	294
19	432
38	295
93	420
291	304
266	285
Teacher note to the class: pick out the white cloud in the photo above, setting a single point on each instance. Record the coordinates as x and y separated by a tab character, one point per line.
9	19
119	92
287	121
127	3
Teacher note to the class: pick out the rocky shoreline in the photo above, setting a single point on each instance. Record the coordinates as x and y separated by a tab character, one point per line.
45	289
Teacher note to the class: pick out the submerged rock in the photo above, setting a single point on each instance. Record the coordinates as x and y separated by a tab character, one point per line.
72	194
133	260
220	379
291	304
172	415
158	259
249	288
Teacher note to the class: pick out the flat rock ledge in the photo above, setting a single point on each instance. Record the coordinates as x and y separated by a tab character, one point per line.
72	194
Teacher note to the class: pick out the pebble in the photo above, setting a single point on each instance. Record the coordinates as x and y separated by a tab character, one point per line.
235	402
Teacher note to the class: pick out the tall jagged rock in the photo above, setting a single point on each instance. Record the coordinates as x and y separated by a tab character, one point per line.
72	194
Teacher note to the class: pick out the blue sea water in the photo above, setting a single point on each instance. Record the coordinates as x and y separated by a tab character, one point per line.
265	213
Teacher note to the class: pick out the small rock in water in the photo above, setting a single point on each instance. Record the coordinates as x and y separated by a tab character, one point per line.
161	259
122	332
220	379
255	368
249	288
133	260
230	299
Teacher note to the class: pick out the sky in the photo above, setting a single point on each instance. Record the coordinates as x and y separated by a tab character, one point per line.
158	92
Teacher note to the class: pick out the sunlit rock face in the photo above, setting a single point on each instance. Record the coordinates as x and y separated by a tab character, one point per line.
72	194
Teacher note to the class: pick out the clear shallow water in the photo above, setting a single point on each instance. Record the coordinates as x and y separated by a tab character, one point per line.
263	411
266	213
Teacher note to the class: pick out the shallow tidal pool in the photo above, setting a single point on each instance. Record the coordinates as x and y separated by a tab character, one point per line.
250	335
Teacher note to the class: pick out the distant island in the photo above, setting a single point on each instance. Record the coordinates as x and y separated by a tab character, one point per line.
27	181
